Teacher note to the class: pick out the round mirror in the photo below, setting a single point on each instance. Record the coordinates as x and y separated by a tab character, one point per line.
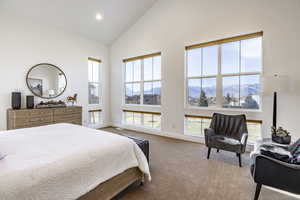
46	81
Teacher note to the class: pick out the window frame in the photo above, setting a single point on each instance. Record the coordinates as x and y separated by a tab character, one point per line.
100	116
219	77
142	81
142	125
99	81
98	106
201	135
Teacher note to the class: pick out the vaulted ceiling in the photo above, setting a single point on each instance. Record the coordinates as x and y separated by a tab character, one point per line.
79	15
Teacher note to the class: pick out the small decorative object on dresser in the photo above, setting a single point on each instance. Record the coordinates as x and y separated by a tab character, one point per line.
29	102
25	118
72	99
51	104
16	100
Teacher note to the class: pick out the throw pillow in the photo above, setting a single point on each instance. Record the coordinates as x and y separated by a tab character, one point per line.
296	156
294	146
276	153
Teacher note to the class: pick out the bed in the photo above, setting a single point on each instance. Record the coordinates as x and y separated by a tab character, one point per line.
64	161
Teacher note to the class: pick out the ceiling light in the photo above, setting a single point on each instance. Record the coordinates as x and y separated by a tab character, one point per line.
99	17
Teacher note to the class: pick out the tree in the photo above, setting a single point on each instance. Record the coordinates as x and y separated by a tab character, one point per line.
228	98
250	103
203	99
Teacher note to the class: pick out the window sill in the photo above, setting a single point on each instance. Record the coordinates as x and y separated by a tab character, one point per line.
141	106
223	109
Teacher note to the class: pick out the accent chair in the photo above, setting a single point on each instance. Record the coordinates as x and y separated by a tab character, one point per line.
227	132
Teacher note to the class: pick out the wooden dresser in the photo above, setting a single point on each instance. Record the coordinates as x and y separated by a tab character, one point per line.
25	118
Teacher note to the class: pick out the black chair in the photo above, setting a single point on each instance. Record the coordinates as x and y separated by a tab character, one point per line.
275	173
227	132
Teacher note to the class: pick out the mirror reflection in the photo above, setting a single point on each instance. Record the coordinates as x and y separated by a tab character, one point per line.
46	81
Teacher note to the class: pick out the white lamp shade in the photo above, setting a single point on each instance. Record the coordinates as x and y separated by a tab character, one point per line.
276	83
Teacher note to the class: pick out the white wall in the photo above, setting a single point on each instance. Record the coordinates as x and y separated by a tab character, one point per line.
170	25
24	44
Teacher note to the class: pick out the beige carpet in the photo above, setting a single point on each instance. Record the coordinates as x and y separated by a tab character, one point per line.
180	171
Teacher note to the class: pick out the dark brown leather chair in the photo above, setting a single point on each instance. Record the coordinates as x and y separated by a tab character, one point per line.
227	132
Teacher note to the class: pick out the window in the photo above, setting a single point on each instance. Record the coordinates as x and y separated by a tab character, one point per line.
225	73
142	119
95	117
94	94
143	80
195	126
94	80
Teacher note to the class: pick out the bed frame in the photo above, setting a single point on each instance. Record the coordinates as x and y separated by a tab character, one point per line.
114	186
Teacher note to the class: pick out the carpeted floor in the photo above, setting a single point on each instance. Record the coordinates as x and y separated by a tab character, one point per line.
180	171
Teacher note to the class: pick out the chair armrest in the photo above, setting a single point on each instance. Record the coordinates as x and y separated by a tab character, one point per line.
244	139
208	133
277	162
278	174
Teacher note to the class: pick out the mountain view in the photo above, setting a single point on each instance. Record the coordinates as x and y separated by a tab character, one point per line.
150	97
194	92
249	96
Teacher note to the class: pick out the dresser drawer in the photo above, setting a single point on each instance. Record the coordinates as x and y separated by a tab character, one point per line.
32	120
32	113
76	116
71	121
68	110
32	125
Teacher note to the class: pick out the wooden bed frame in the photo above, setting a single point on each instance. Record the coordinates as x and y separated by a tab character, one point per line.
114	186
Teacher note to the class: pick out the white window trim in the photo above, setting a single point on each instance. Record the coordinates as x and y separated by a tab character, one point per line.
219	85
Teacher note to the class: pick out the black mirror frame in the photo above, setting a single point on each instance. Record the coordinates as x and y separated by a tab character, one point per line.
52	66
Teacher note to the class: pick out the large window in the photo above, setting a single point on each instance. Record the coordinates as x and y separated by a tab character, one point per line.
94	80
225	73
94	93
142	119
143	80
95	117
195	126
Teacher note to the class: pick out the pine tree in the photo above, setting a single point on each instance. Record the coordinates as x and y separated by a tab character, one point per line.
228	98
203	102
250	103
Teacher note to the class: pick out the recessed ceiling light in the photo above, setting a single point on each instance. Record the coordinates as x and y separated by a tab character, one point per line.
99	17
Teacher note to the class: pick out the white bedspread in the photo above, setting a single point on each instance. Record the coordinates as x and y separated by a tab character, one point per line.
62	161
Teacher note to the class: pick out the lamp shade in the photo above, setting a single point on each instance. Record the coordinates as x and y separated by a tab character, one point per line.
276	83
